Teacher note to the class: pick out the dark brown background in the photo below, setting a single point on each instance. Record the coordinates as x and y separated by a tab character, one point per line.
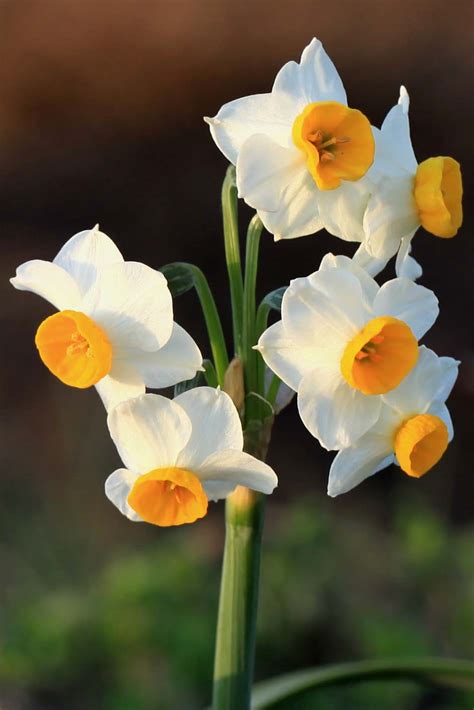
101	121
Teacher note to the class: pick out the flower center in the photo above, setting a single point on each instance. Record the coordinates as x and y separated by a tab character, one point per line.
337	140
168	496
420	442
74	348
380	356
438	196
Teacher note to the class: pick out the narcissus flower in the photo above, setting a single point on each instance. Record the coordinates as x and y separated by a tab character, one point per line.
300	151
179	454
409	195
114	328
343	341
413	430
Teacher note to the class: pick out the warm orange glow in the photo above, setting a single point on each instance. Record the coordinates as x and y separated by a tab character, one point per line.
337	140
74	348
438	196
380	356
420	443
168	496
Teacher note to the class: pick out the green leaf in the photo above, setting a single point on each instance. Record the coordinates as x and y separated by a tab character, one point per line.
199	380
434	671
274	298
180	278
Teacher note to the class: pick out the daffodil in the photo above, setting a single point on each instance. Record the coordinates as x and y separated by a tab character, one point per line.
114	328
409	195
300	152
413	430
342	342
179	454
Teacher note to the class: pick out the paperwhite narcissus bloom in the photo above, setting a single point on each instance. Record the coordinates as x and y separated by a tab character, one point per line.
300	152
409	195
115	326
179	454
413	430
342	341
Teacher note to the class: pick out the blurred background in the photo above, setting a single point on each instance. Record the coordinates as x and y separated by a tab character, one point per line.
101	121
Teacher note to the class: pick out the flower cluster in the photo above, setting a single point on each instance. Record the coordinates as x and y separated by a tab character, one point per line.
349	348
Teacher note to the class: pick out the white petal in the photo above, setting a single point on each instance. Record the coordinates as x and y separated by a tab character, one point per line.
215	425
369	263
297	215
415	305
265	169
342	210
149	432
356	463
369	286
396	129
284	395
290	360
430	380
50	282
327	309
122	383
314	79
441	411
177	361
133	304
85	254
229	467
390	216
242	118
335	413
406	265
117	487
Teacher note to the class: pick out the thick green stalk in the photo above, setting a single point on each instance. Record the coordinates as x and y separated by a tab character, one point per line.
232	254
213	322
236	623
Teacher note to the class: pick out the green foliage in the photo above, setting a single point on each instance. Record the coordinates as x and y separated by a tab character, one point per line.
142	626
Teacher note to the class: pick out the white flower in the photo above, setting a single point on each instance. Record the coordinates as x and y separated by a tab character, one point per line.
300	152
342	341
115	326
178	455
409	195
413	430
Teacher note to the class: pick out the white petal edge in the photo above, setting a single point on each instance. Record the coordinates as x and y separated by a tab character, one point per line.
133	303
50	282
368	262
333	412
414	304
290	360
405	265
265	169
215	425
117	487
356	463
122	383
342	210
178	360
297	215
369	286
149	432
85	254
228	467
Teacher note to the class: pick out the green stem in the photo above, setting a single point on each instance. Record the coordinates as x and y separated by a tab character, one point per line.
261	323
273	389
213	322
232	254
236	623
250	356
440	671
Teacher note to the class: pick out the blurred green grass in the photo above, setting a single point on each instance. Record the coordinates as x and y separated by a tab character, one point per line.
137	632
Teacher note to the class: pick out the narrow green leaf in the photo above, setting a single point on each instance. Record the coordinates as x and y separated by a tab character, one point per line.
199	380
434	671
180	278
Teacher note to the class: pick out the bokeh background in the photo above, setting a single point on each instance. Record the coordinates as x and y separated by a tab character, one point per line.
101	121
